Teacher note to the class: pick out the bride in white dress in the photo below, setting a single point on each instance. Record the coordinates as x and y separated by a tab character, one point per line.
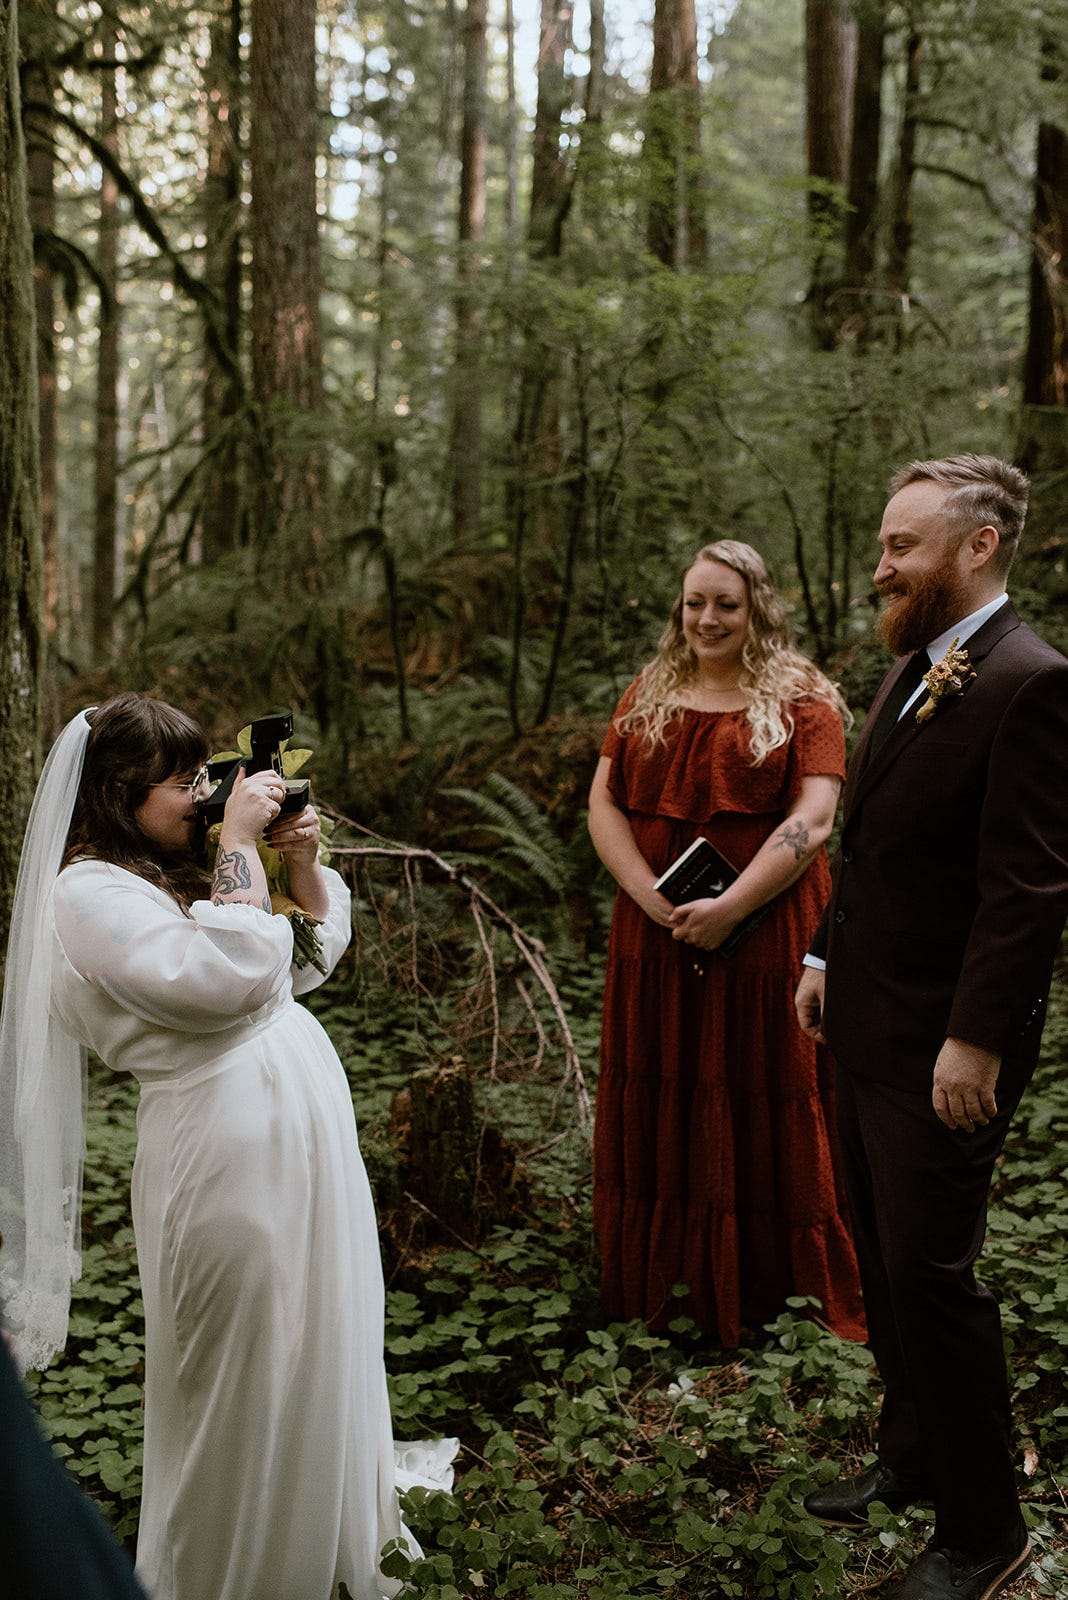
268	1467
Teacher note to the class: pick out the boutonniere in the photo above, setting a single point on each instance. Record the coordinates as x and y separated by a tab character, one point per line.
946	677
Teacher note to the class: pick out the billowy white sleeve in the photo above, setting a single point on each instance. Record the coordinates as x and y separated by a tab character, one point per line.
334	934
197	973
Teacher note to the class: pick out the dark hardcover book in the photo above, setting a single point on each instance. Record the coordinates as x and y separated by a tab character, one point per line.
702	873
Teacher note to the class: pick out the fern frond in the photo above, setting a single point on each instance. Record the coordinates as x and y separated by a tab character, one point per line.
523	834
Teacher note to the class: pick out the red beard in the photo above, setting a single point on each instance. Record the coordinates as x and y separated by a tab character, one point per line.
927	607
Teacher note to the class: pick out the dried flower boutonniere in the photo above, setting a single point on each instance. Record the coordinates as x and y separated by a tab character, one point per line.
946	677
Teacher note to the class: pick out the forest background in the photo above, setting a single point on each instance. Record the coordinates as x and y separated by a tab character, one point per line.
388	361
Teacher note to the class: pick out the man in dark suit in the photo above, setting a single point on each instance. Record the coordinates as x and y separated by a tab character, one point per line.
928	977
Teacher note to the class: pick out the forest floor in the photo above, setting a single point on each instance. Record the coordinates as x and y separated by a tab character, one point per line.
597	1462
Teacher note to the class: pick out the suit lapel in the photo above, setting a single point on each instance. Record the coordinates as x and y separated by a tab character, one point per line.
869	769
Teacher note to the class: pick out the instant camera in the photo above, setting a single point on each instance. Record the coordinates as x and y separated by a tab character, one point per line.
266	735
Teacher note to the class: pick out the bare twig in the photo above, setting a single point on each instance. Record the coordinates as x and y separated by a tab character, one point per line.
521	990
491	974
484	909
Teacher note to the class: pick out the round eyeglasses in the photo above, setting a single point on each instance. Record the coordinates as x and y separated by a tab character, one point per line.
192	784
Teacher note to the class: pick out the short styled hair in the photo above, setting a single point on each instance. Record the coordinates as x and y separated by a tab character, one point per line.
981	490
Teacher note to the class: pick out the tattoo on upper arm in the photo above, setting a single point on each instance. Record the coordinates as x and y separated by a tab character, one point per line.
267	904
231	873
794	836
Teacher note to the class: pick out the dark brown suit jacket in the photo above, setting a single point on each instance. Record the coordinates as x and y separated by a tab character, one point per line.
951	881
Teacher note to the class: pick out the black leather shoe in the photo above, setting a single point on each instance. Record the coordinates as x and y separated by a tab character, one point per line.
943	1573
845	1502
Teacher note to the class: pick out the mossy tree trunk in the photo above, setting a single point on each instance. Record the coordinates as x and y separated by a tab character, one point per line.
39	81
1043	447
223	502
899	248
467	403
830	68
290	514
106	496
675	225
21	620
861	221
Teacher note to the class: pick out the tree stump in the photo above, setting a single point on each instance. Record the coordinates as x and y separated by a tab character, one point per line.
458	1167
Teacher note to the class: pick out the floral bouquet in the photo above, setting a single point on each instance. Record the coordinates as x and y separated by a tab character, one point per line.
307	945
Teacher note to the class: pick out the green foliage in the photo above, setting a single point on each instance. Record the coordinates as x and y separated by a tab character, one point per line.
525	846
91	1402
604	1460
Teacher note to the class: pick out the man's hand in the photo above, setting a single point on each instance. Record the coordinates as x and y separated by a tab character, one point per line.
965	1077
809	1002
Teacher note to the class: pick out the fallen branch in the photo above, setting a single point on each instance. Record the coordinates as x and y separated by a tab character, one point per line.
483	909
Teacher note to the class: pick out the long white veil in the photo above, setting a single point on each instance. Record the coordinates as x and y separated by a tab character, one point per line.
42	1084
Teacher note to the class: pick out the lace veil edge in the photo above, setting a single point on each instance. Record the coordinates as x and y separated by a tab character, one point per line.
42	1083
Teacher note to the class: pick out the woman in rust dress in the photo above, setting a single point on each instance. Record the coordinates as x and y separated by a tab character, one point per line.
714	1161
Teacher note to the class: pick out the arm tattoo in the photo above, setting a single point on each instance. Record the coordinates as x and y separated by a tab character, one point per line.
231	873
794	836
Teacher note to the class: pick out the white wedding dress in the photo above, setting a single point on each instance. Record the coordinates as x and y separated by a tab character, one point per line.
269	1468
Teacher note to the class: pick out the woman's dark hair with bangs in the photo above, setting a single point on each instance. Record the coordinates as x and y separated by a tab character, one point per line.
135	742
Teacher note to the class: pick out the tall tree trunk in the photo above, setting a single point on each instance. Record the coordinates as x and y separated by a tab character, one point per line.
41	168
538	448
899	251
595	75
286	338
106	495
21	621
223	508
1046	363
830	63
542	450
550	184
675	226
1044	421
511	137
577	497
862	216
467	407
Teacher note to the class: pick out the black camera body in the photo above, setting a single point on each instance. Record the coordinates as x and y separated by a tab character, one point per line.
266	735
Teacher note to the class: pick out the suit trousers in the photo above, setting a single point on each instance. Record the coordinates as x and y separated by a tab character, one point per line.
917	1194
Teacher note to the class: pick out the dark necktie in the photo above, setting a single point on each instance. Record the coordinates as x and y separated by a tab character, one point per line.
909	681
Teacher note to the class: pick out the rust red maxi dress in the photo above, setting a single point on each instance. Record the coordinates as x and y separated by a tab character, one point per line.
713	1154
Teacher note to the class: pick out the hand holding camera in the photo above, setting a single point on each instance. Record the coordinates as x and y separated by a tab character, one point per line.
254	802
254	807
266	738
296	838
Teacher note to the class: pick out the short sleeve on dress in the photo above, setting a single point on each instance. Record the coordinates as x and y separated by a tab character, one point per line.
817	746
613	747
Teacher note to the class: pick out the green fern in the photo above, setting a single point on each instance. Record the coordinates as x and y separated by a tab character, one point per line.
522	833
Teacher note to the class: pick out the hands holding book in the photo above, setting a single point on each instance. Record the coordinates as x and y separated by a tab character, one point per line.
698	886
708	924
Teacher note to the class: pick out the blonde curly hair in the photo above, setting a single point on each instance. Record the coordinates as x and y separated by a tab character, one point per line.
774	674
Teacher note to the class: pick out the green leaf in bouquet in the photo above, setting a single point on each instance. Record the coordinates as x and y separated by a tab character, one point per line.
275	869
